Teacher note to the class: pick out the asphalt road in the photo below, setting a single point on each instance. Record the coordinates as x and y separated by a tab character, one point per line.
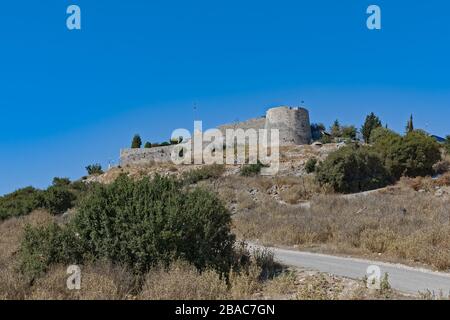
403	278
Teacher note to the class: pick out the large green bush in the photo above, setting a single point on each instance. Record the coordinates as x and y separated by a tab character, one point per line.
144	223
381	133
58	199
45	245
20	202
352	169
411	155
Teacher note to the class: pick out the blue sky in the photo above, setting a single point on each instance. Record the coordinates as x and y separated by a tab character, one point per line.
72	98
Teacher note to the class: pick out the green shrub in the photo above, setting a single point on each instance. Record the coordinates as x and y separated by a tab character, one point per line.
58	199
20	202
139	224
136	143
147	145
61	182
94	169
46	245
349	132
336	129
250	170
412	155
310	165
352	169
326	139
380	133
213	171
150	221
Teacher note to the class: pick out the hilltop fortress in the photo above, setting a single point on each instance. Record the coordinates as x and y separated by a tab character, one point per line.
293	125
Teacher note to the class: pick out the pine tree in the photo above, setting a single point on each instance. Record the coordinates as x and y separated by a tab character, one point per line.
336	130
137	142
372	122
410	125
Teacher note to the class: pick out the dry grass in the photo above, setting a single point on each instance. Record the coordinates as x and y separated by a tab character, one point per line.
426	183
405	225
183	282
12	284
100	281
319	287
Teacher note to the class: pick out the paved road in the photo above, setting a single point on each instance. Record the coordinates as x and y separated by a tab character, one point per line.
403	278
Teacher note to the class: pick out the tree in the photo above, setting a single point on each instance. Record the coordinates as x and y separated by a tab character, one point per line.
372	122
336	130
137	142
380	133
94	169
352	169
412	155
147	145
349	132
410	125
316	130
326	139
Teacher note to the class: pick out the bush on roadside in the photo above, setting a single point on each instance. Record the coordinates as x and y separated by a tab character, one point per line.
352	169
138	224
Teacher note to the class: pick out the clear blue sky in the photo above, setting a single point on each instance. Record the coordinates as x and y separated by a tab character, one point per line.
71	98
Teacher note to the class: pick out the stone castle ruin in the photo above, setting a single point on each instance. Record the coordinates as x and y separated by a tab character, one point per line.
293	125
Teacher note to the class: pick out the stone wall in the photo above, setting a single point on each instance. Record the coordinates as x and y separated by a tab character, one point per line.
293	125
146	155
256	123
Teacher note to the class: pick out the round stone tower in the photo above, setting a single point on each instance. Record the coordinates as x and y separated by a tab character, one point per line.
292	123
